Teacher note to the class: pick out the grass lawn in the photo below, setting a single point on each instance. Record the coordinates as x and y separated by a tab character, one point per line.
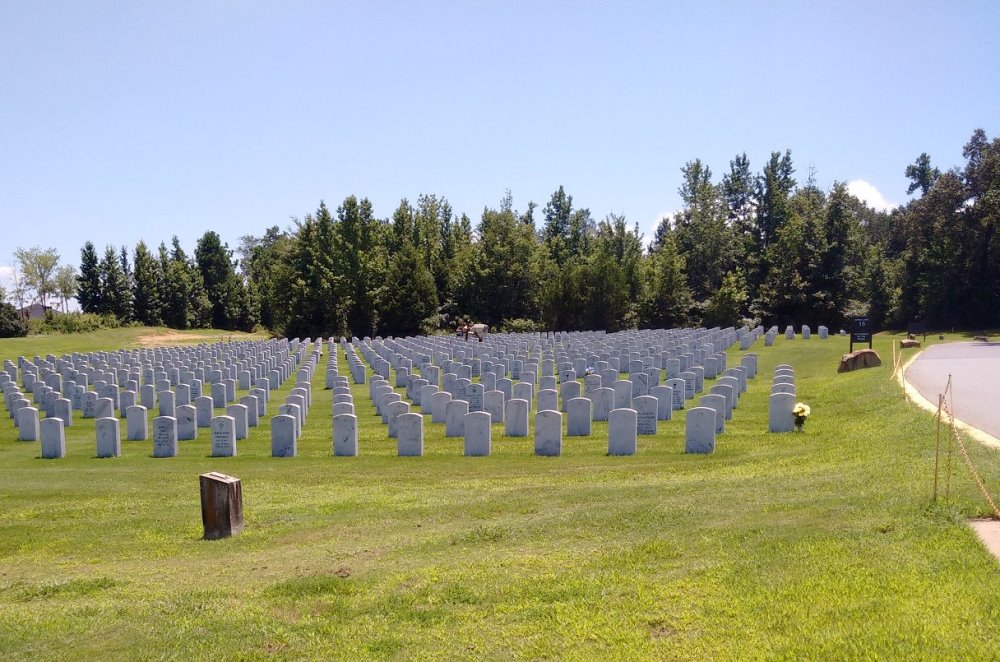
821	545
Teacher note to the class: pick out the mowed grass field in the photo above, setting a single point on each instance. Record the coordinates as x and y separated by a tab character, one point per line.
820	545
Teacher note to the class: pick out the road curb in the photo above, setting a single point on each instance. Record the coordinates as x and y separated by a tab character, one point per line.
914	396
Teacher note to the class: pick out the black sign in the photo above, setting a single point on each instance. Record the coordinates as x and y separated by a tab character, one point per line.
861	331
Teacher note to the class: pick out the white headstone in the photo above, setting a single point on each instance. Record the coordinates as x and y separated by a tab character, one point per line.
578	417
410	434
516	418
240	415
345	435
136	423
27	424
478	433
664	402
602	402
699	430
186	417
455	412
718	403
224	436
439	402
548	433
548	400
283	437
646	410
53	436
164	436
493	404
622	432
779	416
109	440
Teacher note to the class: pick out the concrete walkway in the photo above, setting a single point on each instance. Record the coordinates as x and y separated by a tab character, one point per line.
975	378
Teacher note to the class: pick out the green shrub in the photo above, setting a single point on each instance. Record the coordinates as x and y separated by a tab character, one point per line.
11	326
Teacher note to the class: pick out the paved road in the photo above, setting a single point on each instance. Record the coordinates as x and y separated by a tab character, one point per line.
975	379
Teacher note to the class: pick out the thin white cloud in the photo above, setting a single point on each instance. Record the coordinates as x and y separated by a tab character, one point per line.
866	192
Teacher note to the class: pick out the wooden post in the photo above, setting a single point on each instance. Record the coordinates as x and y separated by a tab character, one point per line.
937	447
221	505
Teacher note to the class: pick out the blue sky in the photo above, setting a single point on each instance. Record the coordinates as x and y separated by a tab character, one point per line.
122	121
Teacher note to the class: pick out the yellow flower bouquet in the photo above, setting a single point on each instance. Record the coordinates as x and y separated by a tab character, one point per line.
801	413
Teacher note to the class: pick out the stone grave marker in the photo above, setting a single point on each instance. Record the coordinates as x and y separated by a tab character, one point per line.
493	404
699	430
164	436
53	438
622	432
727	392
779	416
516	418
136	423
187	423
548	400
478	434
410	434
345	435
224	436
455	412
109	440
646	412
718	403
27	424
548	433
283	435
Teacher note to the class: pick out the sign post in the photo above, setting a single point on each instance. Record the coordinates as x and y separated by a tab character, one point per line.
861	331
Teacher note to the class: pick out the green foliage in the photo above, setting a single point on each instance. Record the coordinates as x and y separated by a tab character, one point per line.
38	269
11	325
74	323
412	297
89	291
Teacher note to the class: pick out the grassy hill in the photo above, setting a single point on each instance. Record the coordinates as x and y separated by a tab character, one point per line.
822	545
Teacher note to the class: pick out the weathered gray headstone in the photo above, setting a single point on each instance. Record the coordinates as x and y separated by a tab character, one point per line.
393	411
603	401
439	403
578	417
224	436
699	430
410	434
493	404
718	403
283	437
664	402
187	422
27	424
727	392
53	437
455	412
780	417
164	436
548	400
240	417
109	439
622	432
516	418
548	433
478	433
646	409
136	423
345	435
203	406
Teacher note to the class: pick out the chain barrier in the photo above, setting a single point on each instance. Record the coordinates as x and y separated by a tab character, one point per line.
965	453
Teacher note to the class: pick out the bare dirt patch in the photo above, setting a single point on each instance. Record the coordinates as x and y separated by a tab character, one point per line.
175	338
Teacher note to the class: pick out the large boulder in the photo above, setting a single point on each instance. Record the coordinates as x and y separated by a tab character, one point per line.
908	343
863	358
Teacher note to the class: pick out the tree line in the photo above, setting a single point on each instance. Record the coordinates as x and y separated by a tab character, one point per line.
749	247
